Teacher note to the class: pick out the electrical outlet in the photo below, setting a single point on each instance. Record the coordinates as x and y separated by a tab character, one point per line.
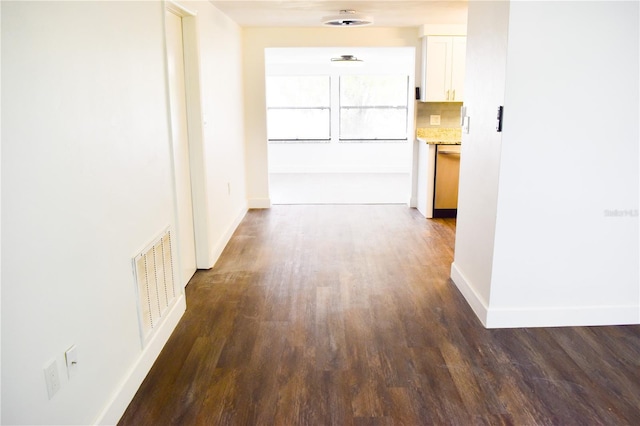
51	378
434	120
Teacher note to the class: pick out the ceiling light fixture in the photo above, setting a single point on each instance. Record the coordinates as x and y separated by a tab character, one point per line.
347	18
347	60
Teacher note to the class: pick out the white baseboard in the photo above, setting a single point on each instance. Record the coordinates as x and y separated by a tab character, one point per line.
478	304
259	203
116	407
519	317
218	246
580	316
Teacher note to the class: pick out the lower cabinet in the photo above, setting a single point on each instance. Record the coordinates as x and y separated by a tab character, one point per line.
447	175
437	180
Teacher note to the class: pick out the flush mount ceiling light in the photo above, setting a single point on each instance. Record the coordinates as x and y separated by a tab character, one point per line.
347	18
347	60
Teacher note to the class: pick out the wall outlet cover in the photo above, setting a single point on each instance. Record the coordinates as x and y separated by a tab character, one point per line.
51	378
434	120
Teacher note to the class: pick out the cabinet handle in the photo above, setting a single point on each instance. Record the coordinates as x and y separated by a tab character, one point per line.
448	94
454	95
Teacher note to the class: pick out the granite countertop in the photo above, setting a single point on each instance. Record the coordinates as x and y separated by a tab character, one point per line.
439	135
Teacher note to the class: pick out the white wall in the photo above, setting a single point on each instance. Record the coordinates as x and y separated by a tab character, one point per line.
488	23
569	154
222	175
255	40
86	184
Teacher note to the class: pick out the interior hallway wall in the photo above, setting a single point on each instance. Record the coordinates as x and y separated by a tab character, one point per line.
221	176
487	30
87	184
552	183
560	257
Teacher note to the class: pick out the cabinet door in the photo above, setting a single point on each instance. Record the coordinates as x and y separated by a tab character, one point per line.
437	71
447	177
458	58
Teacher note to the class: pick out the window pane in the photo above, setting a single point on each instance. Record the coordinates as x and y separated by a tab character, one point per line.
298	91
373	90
373	106
369	123
290	123
298	107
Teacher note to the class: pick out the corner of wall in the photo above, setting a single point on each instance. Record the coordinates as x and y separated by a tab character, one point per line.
259	203
218	246
477	303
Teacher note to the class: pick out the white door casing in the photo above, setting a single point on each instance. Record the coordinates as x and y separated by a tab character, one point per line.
180	147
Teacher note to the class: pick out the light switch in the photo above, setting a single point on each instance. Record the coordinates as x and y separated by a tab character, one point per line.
71	357
465	124
434	120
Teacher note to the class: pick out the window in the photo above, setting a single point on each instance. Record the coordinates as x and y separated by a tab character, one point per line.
358	108
298	108
373	107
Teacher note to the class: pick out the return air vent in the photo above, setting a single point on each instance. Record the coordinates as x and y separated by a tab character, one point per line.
154	283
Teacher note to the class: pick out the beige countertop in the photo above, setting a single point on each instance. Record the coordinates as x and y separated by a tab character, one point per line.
439	135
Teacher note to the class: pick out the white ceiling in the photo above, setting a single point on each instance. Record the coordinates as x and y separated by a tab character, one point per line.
299	13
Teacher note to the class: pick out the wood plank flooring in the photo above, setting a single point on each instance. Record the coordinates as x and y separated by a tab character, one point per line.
345	315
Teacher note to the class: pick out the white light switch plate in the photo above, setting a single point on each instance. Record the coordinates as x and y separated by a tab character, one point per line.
465	124
71	357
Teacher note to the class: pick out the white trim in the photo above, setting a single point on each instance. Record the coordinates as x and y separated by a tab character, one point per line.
562	316
197	168
130	384
544	316
178	9
217	248
477	303
197	163
259	203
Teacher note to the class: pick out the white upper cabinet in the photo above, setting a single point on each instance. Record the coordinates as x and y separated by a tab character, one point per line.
443	68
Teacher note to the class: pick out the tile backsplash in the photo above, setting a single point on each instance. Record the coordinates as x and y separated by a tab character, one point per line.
449	113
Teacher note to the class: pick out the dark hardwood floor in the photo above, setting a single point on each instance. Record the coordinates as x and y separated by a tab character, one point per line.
345	315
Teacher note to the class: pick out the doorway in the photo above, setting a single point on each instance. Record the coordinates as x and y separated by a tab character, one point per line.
340	132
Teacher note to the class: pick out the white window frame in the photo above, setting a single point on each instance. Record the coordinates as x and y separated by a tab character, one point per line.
339	137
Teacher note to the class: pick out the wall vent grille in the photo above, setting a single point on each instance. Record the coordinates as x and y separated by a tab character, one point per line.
154	273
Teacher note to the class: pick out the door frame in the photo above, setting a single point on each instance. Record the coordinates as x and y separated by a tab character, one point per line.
194	126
